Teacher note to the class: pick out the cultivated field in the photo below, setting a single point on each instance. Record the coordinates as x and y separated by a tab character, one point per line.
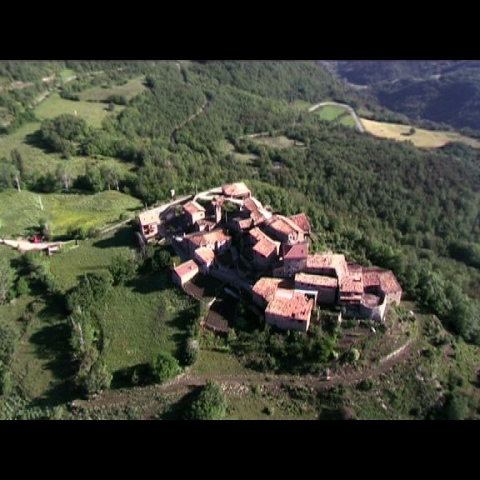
129	90
421	138
330	112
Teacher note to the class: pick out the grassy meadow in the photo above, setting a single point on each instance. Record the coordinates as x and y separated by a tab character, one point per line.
421	138
20	212
100	94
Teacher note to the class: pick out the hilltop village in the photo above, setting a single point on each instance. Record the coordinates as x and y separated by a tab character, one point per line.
228	234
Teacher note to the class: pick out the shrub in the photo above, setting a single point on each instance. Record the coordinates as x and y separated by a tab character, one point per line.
165	367
22	287
192	352
123	268
210	404
99	378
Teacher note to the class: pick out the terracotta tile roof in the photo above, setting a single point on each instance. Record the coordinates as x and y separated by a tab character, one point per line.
205	255
295	252
266	287
186	268
284	226
193	207
296	308
235	190
352	283
370	278
302	221
205	238
258	235
316	280
205	222
328	261
379	277
244	223
389	283
257	217
251	204
265	248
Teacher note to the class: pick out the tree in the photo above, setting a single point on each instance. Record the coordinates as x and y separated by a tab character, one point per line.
7	280
63	175
123	268
210	404
8	338
99	378
165	367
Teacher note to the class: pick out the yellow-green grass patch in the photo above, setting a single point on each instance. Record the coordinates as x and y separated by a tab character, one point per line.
20	212
66	74
92	113
421	138
348	121
218	363
131	89
330	112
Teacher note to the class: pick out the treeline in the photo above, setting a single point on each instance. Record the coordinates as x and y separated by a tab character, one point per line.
433	93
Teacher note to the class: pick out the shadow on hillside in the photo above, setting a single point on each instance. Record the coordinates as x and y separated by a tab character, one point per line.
52	344
123	237
137	375
35	140
146	284
178	409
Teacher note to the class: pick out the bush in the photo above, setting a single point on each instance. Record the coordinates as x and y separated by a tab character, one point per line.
6	382
210	404
165	367
192	352
22	287
99	378
8	338
123	268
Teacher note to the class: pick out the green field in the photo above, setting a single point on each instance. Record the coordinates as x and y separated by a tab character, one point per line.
131	89
330	112
92	113
21	211
348	121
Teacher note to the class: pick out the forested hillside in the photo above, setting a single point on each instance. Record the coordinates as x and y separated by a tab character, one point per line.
442	91
191	124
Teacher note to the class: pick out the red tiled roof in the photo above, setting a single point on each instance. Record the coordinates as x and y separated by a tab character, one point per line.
266	287
244	224
352	283
257	217
328	261
186	268
302	221
265	248
235	190
296	308
316	280
205	238
252	204
193	207
295	252
258	235
379	277
389	283
205	255
284	226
